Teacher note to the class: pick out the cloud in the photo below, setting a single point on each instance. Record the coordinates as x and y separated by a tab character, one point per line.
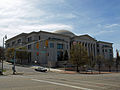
14	30
17	16
28	28
101	32
48	27
112	25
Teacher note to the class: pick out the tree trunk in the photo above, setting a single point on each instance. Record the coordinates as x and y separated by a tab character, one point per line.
99	68
109	68
116	68
77	68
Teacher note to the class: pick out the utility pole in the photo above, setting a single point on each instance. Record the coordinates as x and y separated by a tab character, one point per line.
5	37
14	62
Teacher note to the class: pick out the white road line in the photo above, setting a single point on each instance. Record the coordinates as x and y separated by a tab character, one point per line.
61	84
101	83
84	84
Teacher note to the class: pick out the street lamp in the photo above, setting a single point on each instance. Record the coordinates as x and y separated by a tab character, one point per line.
5	37
13	68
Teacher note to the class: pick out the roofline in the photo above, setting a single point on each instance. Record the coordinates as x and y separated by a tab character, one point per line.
104	42
27	34
16	36
54	33
86	35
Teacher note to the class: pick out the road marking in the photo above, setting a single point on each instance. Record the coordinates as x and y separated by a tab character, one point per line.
84	84
61	84
101	83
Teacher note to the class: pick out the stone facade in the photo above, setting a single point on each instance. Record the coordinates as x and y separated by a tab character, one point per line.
46	47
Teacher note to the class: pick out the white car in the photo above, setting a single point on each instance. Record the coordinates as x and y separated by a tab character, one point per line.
41	69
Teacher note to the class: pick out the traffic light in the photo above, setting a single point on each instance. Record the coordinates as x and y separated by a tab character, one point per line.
46	43
37	53
37	45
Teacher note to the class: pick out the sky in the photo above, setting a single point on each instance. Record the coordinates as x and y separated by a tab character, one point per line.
98	18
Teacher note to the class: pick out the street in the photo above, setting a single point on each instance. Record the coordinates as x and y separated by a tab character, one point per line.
32	80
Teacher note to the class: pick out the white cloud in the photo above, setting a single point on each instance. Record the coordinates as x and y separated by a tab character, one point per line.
112	25
47	27
14	30
101	32
17	16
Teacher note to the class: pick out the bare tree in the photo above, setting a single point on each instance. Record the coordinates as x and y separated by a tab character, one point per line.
92	62
20	55
117	60
78	56
109	63
100	61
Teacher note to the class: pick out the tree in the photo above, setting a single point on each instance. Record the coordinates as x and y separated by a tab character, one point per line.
1	53
21	54
78	56
117	60
91	61
60	56
109	63
10	53
100	61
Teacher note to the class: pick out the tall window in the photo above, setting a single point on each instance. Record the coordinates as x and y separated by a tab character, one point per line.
29	39
8	45
51	45
67	46
59	46
105	50
13	43
39	38
110	50
59	55
19	41
29	47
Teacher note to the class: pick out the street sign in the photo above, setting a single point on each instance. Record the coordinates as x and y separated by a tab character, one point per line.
43	51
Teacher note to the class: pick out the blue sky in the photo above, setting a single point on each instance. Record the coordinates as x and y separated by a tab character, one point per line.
98	18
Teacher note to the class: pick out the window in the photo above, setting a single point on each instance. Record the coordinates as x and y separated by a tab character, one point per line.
85	44
39	38
105	50
13	43
59	46
110	50
97	45
59	55
29	39
98	50
67	46
29	47
51	45
8	45
19	41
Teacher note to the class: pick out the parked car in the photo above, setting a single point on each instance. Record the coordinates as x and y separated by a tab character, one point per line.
41	69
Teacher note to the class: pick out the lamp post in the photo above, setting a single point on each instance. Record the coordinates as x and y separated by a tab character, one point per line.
5	37
13	68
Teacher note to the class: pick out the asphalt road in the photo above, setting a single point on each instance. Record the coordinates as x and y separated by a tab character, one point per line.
59	81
